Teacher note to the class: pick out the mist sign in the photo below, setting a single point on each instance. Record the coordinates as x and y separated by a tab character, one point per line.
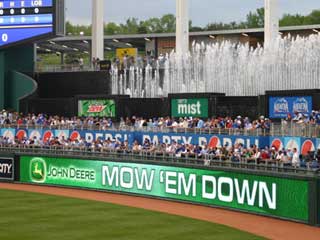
253	193
189	107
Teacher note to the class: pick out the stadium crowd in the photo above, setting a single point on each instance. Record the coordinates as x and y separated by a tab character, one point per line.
12	118
236	153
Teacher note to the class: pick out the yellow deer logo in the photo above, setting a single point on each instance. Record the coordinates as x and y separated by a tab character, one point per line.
37	171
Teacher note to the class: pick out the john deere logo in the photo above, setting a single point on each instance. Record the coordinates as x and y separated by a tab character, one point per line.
38	170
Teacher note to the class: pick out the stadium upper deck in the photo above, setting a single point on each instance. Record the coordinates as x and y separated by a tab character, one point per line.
157	43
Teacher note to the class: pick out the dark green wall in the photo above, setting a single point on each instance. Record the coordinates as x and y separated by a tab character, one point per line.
12	85
20	85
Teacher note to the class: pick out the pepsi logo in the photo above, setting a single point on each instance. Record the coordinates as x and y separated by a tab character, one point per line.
277	144
214	142
47	136
307	147
21	134
75	135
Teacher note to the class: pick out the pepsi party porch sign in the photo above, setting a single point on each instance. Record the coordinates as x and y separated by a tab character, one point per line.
280	107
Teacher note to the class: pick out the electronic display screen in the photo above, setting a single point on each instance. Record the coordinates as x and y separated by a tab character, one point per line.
22	20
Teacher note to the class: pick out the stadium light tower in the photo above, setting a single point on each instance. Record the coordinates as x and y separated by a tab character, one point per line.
182	27
97	44
271	21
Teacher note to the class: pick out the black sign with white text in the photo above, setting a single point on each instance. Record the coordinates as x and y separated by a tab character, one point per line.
6	168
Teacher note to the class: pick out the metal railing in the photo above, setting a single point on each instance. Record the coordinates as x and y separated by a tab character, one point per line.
287	129
66	68
209	161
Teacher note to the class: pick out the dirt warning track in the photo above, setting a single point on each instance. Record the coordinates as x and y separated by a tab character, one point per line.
262	226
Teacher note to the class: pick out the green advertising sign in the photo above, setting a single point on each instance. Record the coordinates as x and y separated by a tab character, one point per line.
97	108
274	196
189	107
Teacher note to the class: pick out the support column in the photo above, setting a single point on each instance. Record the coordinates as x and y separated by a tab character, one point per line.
182	27
271	22
97	29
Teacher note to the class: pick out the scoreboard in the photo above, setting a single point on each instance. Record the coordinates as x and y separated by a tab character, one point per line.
24	20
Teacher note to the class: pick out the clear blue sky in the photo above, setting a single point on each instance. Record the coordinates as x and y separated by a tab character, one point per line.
201	11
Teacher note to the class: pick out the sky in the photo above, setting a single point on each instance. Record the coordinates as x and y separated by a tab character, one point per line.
201	11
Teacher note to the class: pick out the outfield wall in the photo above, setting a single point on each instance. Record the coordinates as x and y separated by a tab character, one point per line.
292	197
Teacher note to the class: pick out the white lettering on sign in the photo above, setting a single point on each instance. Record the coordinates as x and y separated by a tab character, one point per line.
6	168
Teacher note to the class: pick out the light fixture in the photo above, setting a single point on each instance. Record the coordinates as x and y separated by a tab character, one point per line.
85	41
76	49
315	30
58	53
244	34
147	39
64	46
115	40
81	33
86	52
129	44
280	33
107	48
53	43
48	50
212	36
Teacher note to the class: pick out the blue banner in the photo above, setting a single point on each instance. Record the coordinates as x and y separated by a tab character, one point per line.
4	4
280	107
303	145
201	139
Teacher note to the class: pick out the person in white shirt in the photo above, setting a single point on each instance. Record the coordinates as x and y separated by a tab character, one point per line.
295	158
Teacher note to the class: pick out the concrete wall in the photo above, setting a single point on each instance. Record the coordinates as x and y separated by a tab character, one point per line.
12	85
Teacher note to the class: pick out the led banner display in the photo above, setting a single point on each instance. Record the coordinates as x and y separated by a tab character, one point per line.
280	107
25	19
97	108
273	196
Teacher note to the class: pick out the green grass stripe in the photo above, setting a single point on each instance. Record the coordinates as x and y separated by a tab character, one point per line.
34	216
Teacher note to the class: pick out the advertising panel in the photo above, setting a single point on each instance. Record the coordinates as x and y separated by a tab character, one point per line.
97	108
126	52
273	196
189	107
280	107
8	133
202	139
6	168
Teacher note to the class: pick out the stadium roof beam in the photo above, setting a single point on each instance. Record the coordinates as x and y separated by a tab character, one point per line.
83	43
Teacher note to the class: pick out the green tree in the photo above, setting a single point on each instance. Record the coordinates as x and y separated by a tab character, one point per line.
112	29
255	19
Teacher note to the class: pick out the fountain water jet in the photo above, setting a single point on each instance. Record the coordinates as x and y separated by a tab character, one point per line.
235	69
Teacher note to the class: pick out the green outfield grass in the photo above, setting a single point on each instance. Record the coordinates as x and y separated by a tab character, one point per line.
25	216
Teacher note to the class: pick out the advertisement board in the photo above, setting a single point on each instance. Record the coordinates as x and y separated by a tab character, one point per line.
201	139
303	145
97	108
273	196
280	107
197	107
6	169
128	52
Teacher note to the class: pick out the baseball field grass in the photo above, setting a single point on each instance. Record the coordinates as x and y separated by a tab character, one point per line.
25	216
